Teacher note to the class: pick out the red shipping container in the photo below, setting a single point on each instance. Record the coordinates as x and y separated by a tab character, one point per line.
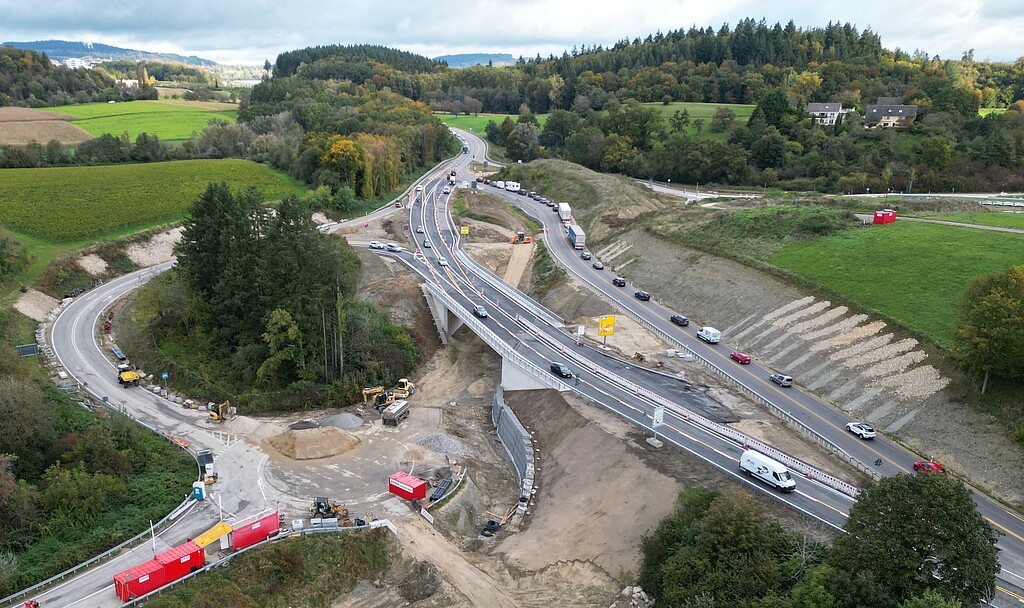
257	529
406	486
182	560
139	580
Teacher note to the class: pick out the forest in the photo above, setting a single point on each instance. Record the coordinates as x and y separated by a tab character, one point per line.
27	78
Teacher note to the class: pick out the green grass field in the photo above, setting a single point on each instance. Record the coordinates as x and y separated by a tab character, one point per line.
987	111
477	124
169	121
910	271
74	203
1005	220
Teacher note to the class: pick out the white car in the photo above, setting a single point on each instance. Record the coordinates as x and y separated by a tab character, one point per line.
861	430
442	261
376	245
394	247
419	188
446	190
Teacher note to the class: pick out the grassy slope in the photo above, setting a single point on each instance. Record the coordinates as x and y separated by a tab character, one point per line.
913	272
1006	220
478	123
312	572
169	122
72	203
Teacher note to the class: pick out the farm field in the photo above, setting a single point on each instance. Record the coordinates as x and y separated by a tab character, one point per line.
911	271
478	123
994	218
21	126
74	203
168	120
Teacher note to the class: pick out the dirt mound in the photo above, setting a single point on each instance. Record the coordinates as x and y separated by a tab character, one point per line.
157	250
582	499
35	304
307	444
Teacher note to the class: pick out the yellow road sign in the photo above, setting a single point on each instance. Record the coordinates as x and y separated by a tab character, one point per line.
464	230
606	325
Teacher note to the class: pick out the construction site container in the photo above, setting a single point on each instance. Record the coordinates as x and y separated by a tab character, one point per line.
182	560
139	580
255	529
406	486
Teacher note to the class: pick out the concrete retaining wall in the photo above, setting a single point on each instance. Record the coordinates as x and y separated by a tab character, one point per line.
518	445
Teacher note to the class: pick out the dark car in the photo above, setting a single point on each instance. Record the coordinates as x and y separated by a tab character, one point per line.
619	282
643	296
521	192
598	266
480	179
561	369
585	255
680	320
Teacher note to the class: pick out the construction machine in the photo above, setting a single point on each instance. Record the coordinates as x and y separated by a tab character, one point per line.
383	399
126	376
322	507
219	411
371	391
638	357
404	388
520	237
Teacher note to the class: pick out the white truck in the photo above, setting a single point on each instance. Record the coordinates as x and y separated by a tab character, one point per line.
564	212
709	334
395	413
499	185
577	238
772	472
512	186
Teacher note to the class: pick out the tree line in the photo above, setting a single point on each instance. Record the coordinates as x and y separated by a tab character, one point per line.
910	542
262	308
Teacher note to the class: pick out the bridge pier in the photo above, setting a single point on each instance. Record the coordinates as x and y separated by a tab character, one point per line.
446	322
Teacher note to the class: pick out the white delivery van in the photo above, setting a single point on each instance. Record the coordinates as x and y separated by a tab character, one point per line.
767	470
709	335
499	184
512	186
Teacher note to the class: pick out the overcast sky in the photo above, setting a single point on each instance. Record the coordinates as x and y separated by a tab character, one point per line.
249	31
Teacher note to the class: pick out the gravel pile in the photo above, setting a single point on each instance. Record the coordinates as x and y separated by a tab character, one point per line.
800	314
442	444
778	312
343	420
919	382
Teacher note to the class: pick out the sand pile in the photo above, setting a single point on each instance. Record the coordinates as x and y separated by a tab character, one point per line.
307	444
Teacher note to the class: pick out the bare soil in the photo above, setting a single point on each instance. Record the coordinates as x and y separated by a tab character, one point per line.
20	133
35	304
93	264
156	250
10	114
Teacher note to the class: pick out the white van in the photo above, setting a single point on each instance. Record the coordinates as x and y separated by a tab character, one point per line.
709	335
767	470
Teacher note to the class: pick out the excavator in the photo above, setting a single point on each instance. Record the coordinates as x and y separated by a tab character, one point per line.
219	411
520	237
383	399
371	391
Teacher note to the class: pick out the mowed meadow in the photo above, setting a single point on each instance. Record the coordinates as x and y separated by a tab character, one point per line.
75	203
169	120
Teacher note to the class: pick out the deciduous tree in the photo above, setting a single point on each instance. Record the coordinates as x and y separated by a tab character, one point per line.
990	334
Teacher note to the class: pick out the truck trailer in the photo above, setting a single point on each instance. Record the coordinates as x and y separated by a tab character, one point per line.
577	238
512	186
564	212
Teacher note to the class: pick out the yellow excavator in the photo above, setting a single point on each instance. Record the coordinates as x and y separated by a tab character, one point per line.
219	411
383	399
371	391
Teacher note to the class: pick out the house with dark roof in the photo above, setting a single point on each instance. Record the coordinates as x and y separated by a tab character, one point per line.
889	112
825	113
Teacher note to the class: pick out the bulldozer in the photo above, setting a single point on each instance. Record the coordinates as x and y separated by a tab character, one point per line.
520	237
126	376
219	411
322	507
404	389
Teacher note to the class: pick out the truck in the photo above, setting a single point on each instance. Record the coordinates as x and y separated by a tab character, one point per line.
512	186
564	212
577	238
709	334
767	470
395	413
126	376
499	184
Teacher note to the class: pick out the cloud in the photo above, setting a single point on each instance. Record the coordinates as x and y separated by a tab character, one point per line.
251	31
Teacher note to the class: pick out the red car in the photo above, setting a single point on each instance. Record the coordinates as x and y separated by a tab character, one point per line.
927	466
740	357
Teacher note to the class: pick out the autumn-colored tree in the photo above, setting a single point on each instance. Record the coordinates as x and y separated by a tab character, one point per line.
345	156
